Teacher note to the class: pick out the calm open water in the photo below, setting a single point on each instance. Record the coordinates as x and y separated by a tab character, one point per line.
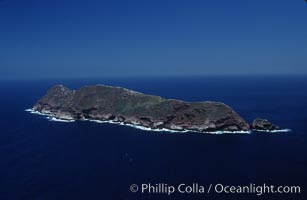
46	160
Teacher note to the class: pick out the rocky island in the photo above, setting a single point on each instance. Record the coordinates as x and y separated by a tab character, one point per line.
117	104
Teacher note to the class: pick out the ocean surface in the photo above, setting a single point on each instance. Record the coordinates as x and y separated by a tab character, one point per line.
47	160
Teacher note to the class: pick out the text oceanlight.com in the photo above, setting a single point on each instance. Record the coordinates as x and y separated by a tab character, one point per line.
196	188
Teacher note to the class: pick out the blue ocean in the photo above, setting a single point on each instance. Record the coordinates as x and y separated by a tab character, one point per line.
48	160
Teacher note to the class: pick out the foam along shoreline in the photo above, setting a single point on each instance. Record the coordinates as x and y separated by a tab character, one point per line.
162	129
52	118
48	116
273	131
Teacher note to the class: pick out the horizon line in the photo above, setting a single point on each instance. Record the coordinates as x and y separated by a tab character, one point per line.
151	76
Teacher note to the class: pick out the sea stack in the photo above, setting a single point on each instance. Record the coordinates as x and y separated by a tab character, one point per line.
263	124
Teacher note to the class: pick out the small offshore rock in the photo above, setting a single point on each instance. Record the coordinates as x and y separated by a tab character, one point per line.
263	124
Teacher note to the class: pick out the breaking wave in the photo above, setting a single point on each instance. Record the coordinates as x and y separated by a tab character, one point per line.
273	131
161	129
48	116
53	118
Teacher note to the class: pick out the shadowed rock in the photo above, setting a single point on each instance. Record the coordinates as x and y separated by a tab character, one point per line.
263	124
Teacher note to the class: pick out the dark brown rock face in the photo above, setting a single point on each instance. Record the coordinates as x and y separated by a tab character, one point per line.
102	102
263	124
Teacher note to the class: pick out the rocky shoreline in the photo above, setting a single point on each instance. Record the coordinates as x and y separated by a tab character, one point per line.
118	105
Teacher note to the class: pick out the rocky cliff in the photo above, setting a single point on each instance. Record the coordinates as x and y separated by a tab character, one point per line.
118	104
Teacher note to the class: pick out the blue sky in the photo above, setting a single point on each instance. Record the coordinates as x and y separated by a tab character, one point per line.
68	39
